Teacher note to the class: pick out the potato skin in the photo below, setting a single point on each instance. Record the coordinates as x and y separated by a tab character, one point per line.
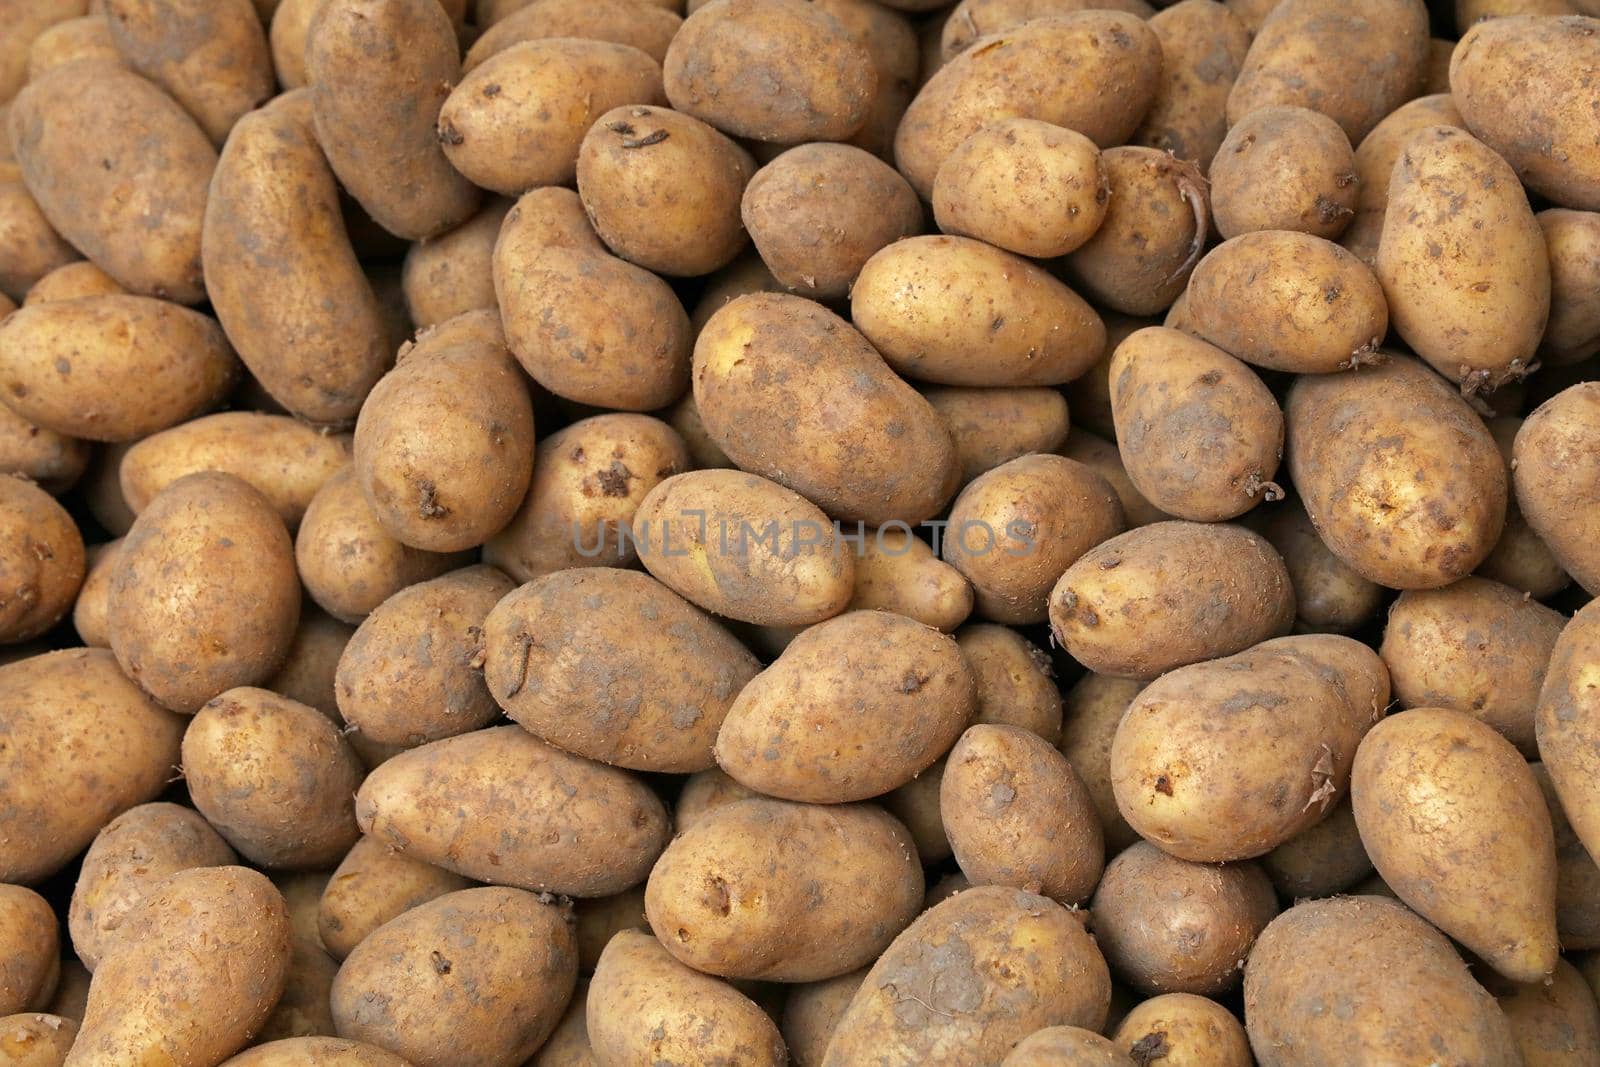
972	19
897	571
1329	596
372	885
37	1039
453	273
1400	477
811	1011
314	1051
1091	711
89	611
1564	725
32	249
1053	975
994	426
1573	240
70	281
1102	457
485	804
1555	1024
417	985
41	560
204	596
648	694
644	26
134	365
1553	469
1379	151
139	218
1203	45
24	23
1284	168
1131	606
759	365
1195	1031
1406	996
32	959
773	70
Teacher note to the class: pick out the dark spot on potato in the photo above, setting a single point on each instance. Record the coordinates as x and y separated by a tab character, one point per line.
492	89
428	505
1163	785
440	964
653	137
448	134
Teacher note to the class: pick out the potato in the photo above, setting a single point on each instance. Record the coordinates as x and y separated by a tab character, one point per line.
1573	241
24	23
1139	260
1284	168
1552	470
112	368
853	708
157	998
1543	129
286	38
703	792
811	1011
1025	186
89	611
1329	596
135	213
897	571
771	70
542	218
1102	457
1091	711
759	365
315	1051
72	992
303	1009
1053	70
1203	46
517	120
568	1044
452	273
1380	150
41	560
972	19
36	1040
32	960
1135	606
1477	309
1556	1023
281	272
645	1006
372	885
499	805
1400	477
954	311
1564	735
1577	875
1354	64
1065	1044
134	852
70	281
204	596
971	977
891	42
307	673
1186	1031
640	25
379	70
746	274
1455	822
1200	747
916	805
994	426
31	248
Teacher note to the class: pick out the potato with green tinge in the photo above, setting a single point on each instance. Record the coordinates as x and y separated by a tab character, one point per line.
1329	596
1203	45
995	426
373	884
42	560
1284	168
453	273
1554	470
1189	1031
32	954
644	26
897	571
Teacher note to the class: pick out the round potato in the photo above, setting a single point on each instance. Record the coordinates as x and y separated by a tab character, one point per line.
994	426
372	885
1322	860
1187	1030
1203	45
916	805
42	560
70	281
1554	1024
1284	168
600	919
1573	240
32	250
897	571
314	1051
644	26
1329	596
1091	712
286	39
32	950
1553	468
453	273
1065	1044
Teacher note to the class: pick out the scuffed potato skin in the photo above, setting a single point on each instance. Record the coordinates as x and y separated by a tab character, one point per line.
1194	1031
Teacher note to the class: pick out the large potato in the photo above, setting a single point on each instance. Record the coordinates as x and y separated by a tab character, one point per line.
644	26
42	560
1284	168
1168	594
613	665
31	962
994	426
453	273
1573	240
1555	471
30	249
1203	45
1091	711
1329	596
372	885
1190	1031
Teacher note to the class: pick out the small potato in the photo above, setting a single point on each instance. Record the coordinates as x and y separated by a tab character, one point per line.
1091	712
1284	168
112	368
1573	241
1203	45
1025	186
286	38
134	852
1556	1023
818	212
1400	477
453	273
91	609
315	1051
588	480
703	792
954	311
600	919
972	19
42	560
644	26
135	213
872	698
746	274
1477	312
916	805
501	806
348	562
760	364
1167	926
644	1006
307	673
897	571
1102	457
24	23
1168	594
772	70
32	249
516	121
1191	1031
1329	596
1054	70
1287	301
1155	228
1017	815
37	1039
31	952
612	665
1026	963
1553	470
372	885
811	1011
994	426
1380	150
204	596
797	892
70	281
1016	528
1565	730
1321	861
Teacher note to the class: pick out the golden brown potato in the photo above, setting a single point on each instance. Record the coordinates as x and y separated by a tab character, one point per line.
308	671
24	22
891	42
32	952
1564	727
1203	45
897	571
1555	1023
42	560
453	273
1400	477
811	1011
1187	1030
568	1044
1054	70
286	38
1380	150
818	212
1065	1044
1025	963
1102	457
1477	313
1091	711
773	70
30	249
72	992
1023	185
1553	469
88	37
995	426
37	1039
314	1051
90	610
703	792
1168	594
916	805
1139	260
746	274
972	19
1284	168
372	885
643	26
760	364
500	805
600	919
1329	595
70	281
1573	240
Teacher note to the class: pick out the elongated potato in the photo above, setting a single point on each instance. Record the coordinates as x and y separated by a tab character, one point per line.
1168	594
372	885
1564	725
646	27
32	949
994	426
897	571
1203	45
1554	471
42	560
32	249
1091	712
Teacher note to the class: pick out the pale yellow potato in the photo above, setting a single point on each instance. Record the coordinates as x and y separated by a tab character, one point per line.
705	791
90	610
1192	1031
286	38
971	19
1380	150
897	571
1066	1044
1203	45
1564	727
1552	471
70	281
314	1051
32	249
994	426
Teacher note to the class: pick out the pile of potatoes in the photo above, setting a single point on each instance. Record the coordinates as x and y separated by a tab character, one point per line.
844	533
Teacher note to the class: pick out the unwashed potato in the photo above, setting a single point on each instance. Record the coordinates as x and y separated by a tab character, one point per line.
602	918
1573	240
1577	875
994	426
1188	1031
781	71
1565	729
766	889
453	273
1203	45
811	1011
24	23
303	1009
32	953
1024	963
647	27
307	673
286	39
916	805
72	992
1102	457
1379	150
84	744
1329	596
1014	529
517	120
1054	70
1065	1044
204	596
897	571
1168	926
90	611
373	884
36	1039
1556	1023
1400	477
112	368
1284	168
479	976
32	250
891	42
1091	712
1554	470
135	213
315	1051
854	707
972	19
70	281
499	805
1228	759
42	560
1322	860
1462	260
1168	594
760	365
705	791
